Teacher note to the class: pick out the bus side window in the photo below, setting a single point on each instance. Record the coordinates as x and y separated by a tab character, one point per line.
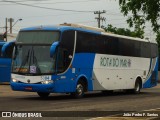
154	50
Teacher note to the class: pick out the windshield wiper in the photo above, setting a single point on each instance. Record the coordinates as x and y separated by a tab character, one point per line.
35	61
24	61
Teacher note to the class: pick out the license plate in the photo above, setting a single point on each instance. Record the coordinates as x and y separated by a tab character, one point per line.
28	88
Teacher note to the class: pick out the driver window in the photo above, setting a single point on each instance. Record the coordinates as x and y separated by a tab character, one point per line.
62	60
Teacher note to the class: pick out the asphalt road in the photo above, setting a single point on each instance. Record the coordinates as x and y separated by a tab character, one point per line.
95	104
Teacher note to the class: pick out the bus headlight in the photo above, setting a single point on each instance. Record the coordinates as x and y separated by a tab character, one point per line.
14	80
47	82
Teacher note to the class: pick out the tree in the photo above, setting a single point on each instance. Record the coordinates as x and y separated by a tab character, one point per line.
141	10
122	31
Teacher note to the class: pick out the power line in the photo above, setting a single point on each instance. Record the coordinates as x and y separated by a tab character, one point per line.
113	19
68	2
45	7
26	1
51	15
28	17
17	30
53	2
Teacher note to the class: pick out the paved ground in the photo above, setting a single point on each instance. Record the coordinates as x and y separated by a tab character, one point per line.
92	106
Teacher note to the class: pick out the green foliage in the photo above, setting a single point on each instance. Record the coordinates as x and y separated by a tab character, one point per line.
122	31
141	10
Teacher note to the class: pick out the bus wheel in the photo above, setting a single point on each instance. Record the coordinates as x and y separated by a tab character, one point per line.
79	90
43	94
137	87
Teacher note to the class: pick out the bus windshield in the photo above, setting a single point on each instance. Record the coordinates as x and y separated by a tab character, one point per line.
31	54
39	37
33	59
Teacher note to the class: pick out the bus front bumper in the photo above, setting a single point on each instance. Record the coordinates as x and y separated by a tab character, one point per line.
32	87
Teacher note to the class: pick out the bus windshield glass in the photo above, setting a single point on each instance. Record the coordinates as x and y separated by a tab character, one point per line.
33	59
39	37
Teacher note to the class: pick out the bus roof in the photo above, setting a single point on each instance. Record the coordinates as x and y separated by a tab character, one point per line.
70	26
60	28
83	27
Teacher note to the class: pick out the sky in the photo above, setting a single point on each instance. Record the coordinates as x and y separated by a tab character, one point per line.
52	12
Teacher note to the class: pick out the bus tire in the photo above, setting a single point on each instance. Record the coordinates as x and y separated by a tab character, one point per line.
79	93
137	87
43	94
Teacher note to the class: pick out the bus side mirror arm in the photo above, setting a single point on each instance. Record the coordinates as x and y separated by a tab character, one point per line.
53	48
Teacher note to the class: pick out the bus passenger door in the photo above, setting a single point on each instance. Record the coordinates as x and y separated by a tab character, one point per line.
64	83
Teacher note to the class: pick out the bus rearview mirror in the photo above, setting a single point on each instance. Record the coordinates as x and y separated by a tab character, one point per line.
53	48
7	49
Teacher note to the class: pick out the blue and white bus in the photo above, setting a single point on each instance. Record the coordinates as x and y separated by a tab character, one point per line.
5	66
74	59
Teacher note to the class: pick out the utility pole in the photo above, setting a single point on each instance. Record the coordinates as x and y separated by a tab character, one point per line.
11	26
10	20
99	18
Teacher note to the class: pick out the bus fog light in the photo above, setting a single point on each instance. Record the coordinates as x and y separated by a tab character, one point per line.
47	82
14	80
